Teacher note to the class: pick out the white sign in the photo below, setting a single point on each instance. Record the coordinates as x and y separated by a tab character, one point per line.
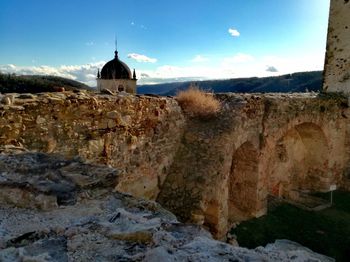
333	187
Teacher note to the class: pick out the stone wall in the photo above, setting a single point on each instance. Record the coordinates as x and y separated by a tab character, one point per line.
337	65
114	85
139	135
214	172
258	145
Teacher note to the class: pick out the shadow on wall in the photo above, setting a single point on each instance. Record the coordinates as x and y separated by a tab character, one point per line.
243	181
299	162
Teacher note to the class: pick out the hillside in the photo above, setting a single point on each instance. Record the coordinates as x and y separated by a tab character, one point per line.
37	84
297	82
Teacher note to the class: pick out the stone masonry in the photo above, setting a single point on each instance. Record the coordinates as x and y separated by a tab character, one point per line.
139	135
258	145
212	172
337	65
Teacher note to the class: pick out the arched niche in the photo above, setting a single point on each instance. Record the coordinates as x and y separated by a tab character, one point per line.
299	161
243	180
121	88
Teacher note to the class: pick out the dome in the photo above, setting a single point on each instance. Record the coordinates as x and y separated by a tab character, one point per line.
116	69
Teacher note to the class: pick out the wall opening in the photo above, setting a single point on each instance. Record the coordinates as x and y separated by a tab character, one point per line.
299	162
120	88
243	181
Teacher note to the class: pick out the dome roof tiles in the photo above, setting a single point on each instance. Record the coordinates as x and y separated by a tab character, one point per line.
116	69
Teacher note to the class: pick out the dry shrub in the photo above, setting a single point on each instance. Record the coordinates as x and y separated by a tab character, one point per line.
198	103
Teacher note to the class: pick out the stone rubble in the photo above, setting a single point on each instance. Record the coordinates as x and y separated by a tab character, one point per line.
96	223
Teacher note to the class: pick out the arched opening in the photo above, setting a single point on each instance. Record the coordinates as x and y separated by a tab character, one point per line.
242	199
299	162
120	88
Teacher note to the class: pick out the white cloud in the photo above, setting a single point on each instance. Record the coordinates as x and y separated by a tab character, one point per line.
83	73
238	58
271	69
144	75
138	25
199	59
291	64
169	73
239	65
234	32
142	58
89	43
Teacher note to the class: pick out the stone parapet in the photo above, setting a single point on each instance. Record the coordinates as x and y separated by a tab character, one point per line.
138	135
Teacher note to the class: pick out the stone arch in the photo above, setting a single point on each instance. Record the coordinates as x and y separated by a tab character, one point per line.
243	180
121	88
299	161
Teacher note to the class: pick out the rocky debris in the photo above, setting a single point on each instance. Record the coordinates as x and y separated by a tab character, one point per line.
107	226
107	91
38	180
232	239
6	99
291	252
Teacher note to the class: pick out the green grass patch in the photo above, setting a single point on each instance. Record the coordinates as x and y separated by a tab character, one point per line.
326	232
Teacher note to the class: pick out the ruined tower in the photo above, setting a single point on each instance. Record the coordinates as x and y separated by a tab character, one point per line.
337	63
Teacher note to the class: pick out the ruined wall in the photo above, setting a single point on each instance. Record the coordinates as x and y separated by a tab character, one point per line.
213	172
258	145
84	220
337	65
139	135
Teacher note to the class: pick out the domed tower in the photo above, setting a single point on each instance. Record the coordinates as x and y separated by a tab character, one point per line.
116	76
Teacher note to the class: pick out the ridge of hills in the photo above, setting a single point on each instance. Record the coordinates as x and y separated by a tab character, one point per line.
10	83
296	82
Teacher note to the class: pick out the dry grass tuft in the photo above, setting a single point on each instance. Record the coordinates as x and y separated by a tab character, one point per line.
198	103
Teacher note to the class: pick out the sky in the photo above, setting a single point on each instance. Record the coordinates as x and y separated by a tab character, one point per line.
164	40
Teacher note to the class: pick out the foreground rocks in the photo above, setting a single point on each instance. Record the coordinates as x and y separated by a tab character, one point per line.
35	180
53	209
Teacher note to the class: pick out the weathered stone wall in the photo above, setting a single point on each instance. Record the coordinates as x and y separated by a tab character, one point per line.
213	171
337	65
139	135
259	145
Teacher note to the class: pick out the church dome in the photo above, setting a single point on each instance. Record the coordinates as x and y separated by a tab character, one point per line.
116	69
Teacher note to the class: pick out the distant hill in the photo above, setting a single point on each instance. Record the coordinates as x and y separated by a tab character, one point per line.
37	84
297	82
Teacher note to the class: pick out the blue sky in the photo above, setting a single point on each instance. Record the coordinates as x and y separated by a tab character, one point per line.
163	40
